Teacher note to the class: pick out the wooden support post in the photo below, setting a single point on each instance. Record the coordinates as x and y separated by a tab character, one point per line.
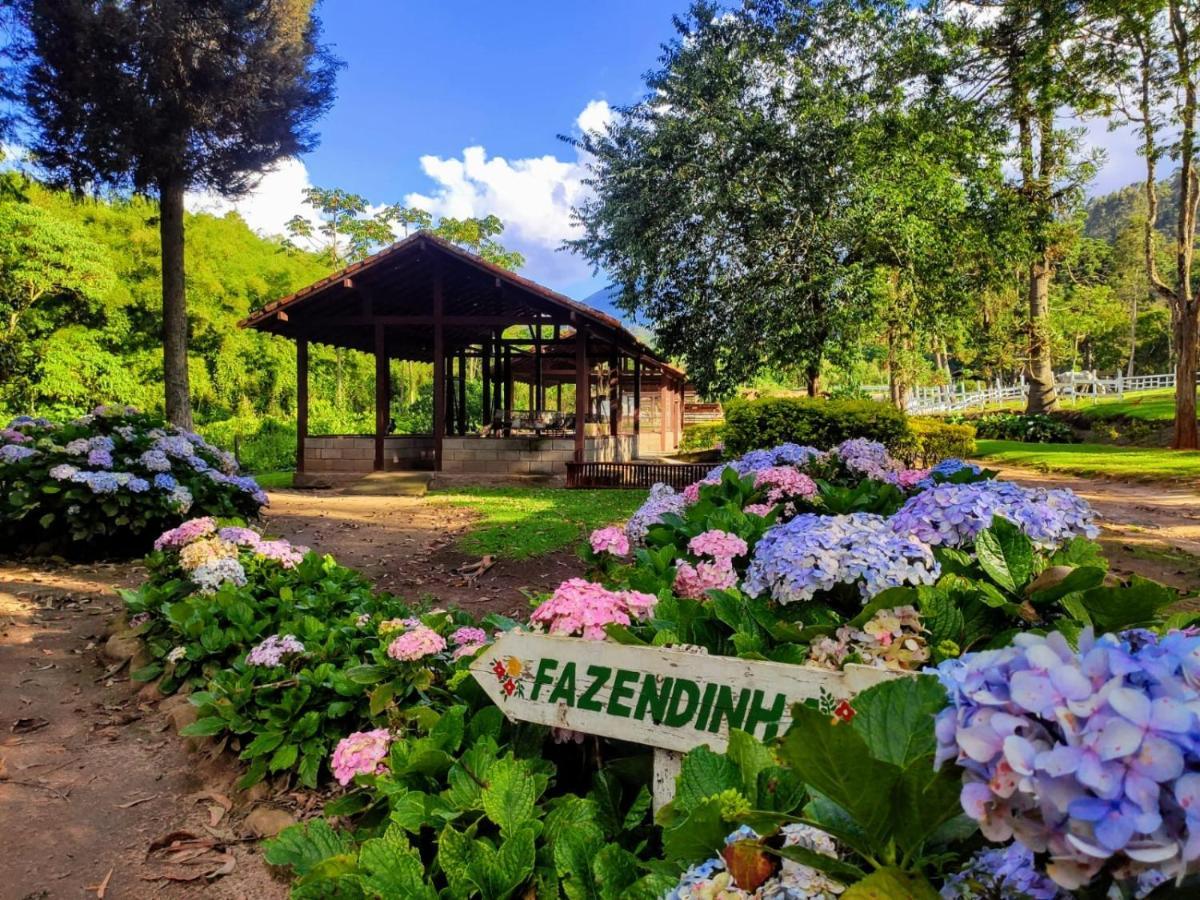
664	409
539	387
637	397
451	410
582	390
508	390
439	371
301	400
614	392
462	391
486	363
382	393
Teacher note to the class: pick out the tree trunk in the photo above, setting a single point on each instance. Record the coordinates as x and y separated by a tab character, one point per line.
1042	395
812	378
174	301
1184	328
1132	340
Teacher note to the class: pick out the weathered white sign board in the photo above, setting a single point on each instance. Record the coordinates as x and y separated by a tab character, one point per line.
666	698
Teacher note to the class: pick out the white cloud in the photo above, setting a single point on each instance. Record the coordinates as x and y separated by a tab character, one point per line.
533	196
276	198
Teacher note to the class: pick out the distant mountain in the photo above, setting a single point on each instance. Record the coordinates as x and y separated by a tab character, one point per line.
1107	215
605	300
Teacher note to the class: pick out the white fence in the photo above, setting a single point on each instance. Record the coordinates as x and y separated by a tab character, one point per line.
1070	385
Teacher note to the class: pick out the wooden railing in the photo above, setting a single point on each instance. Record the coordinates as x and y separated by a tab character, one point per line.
634	475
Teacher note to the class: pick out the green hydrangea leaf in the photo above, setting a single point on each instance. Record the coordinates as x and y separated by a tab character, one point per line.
511	795
303	846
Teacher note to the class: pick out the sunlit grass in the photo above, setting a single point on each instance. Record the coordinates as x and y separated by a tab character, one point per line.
273	481
1096	459
522	522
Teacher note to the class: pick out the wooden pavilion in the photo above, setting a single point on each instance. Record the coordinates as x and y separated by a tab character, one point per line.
592	391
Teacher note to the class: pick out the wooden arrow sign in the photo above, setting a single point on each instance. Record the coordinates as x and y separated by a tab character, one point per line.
666	698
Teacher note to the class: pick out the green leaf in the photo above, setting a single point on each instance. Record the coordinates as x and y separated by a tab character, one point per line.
835	760
615	869
303	846
1005	554
831	865
891	884
455	853
1119	608
393	868
692	835
621	634
1080	579
147	673
511	795
703	774
925	800
895	718
366	674
751	757
498	873
637	810
574	851
381	697
264	743
204	727
284	757
310	765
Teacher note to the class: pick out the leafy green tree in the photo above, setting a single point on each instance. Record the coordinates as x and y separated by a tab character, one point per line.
1016	57
43	261
1152	52
172	95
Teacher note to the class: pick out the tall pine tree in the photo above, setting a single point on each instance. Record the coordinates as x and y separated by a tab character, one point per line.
166	96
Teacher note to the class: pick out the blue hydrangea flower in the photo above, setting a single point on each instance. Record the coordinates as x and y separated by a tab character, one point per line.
1091	755
138	485
953	514
1001	872
796	560
155	461
165	482
14	453
101	482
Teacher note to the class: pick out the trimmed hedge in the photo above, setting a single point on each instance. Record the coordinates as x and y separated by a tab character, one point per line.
769	421
932	440
702	436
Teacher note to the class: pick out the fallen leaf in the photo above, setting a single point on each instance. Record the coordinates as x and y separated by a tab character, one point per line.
102	888
137	801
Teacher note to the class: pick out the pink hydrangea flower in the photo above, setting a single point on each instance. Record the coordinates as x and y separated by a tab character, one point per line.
469	635
758	509
243	537
422	641
361	753
611	539
718	544
910	478
271	652
581	607
185	533
285	553
695	581
784	482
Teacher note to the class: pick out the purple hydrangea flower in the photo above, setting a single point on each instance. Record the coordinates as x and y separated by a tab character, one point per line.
814	553
15	453
953	514
1001	872
155	461
100	458
1089	755
271	652
661	501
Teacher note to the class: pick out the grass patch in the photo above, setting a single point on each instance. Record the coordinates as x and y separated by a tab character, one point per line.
1096	459
1146	406
273	481
521	522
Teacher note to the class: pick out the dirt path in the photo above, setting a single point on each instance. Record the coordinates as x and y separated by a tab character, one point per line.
91	774
1151	529
407	546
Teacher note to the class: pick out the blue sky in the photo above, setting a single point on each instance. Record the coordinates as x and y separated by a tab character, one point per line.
456	107
423	82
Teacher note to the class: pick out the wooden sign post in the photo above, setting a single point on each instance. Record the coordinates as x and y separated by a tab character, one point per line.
669	699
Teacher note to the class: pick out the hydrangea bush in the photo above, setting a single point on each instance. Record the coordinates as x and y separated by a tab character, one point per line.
109	481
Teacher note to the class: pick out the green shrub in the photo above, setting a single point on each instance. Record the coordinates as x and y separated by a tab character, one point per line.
262	444
110	481
932	440
1032	429
702	436
770	421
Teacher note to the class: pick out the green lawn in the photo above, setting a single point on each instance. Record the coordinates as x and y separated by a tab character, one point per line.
1148	406
520	522
1096	459
272	481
